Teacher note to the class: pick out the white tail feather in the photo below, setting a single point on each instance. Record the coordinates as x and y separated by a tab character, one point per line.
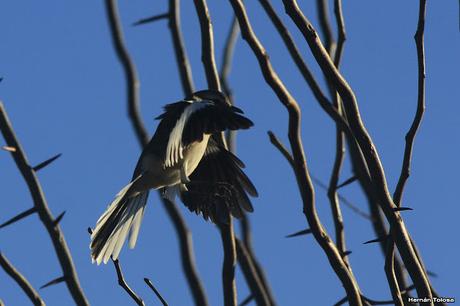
129	222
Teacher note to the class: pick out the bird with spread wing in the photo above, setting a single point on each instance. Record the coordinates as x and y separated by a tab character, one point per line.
186	157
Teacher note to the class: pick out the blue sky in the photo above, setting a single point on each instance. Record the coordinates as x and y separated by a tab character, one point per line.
64	91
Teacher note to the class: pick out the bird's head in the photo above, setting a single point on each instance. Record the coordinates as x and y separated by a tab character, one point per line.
213	95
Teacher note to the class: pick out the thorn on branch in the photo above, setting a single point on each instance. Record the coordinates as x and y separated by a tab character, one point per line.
46	162
346	253
300	233
151	19
19	217
402	208
59	218
9	149
348	181
157	293
379	239
247	300
55	281
431	273
90	230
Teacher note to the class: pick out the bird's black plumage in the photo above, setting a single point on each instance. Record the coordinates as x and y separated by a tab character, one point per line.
219	187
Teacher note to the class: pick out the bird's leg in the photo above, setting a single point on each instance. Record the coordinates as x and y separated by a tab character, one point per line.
184	179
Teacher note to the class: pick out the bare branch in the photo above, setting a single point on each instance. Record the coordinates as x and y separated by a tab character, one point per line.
227	56
229	264
247	241
187	254
31	293
183	64
40	204
129	70
390	273
410	136
207	44
300	169
400	233
250	273
125	286
157	293
323	12
325	25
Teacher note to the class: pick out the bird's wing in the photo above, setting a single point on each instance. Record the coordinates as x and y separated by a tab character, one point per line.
219	187
197	119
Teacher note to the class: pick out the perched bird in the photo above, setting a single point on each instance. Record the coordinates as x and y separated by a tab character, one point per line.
187	157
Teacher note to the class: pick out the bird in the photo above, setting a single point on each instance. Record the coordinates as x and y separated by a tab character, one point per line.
186	157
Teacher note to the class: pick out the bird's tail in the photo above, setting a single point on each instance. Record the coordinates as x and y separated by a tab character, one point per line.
123	215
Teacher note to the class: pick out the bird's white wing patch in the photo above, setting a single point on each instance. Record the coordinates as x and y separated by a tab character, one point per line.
175	148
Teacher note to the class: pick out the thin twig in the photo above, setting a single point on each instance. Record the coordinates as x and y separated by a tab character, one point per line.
55	233
250	273
125	286
187	255
227	57
390	273
207	44
155	290
226	67
323	12
301	171
31	293
229	264
132	80
410	137
247	241
185	72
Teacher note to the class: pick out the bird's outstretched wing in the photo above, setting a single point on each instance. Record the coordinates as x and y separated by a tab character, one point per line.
219	187
188	121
